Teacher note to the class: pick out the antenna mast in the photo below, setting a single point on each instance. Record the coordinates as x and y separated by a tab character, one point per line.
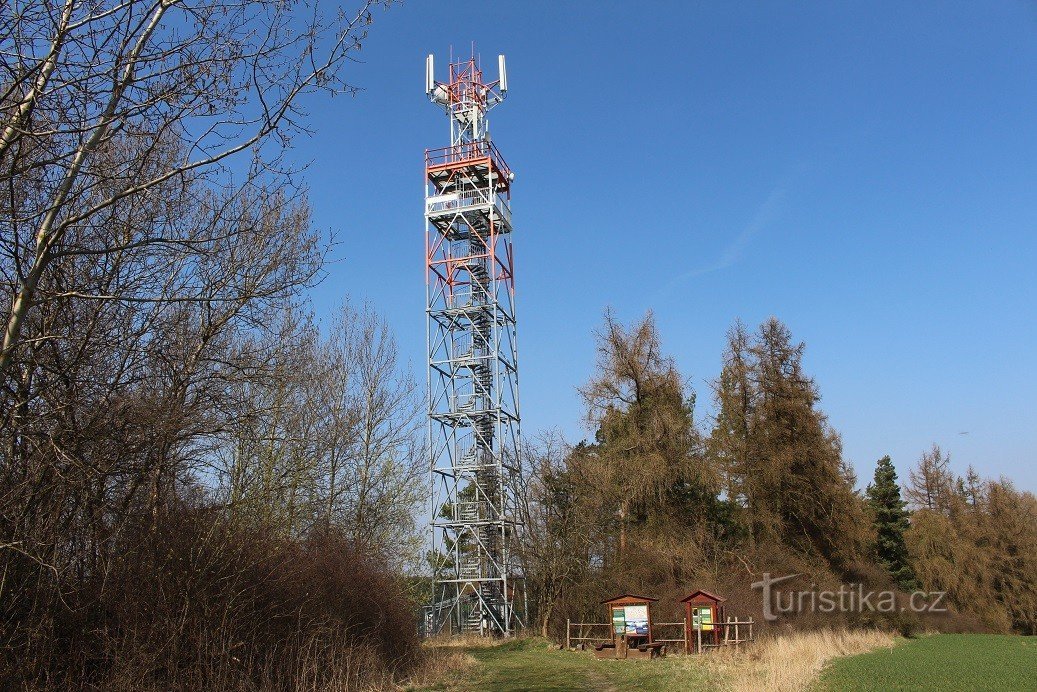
473	425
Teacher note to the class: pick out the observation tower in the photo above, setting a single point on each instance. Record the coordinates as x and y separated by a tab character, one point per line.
473	395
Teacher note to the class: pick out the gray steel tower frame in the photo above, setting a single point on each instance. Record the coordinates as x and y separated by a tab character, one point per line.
473	395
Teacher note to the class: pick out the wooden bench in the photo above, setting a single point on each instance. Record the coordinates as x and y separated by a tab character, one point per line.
647	651
650	650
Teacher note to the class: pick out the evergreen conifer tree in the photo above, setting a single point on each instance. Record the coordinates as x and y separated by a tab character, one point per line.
891	521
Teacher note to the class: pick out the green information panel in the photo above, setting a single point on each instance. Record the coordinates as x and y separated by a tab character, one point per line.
705	617
619	621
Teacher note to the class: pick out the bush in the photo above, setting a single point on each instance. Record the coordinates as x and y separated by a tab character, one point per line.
198	602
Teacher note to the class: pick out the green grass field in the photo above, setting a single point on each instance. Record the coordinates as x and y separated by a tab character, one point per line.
531	665
941	662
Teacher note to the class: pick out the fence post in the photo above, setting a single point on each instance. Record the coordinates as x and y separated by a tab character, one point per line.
750	628
737	642
687	645
698	637
568	642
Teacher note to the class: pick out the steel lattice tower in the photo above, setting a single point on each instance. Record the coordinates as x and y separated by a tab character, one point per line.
473	431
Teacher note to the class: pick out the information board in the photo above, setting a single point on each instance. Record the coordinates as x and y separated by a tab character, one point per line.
637	620
619	620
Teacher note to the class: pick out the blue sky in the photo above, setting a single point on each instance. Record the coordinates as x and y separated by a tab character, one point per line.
867	173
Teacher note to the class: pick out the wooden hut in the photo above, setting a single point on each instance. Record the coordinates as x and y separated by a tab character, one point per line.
631	618
704	608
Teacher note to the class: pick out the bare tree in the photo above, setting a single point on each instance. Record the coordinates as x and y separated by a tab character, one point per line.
556	532
159	368
115	105
110	420
375	467
931	483
331	436
267	464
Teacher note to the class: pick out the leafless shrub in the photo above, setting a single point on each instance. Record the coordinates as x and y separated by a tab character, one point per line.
198	603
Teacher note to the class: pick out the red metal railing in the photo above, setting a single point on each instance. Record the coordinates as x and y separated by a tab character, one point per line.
469	151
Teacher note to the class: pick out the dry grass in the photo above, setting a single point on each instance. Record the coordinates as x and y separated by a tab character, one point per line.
792	661
463	641
439	665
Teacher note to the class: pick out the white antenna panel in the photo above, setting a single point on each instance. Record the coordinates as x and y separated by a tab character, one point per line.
430	81
502	69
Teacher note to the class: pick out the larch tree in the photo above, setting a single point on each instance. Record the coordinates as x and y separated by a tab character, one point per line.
734	396
800	492
1011	539
972	487
931	484
948	532
638	404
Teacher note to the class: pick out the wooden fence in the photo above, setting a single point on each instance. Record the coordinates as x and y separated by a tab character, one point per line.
732	638
681	643
582	629
733	633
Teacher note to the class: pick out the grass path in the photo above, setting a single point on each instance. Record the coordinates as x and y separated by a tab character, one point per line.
940	662
532	665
